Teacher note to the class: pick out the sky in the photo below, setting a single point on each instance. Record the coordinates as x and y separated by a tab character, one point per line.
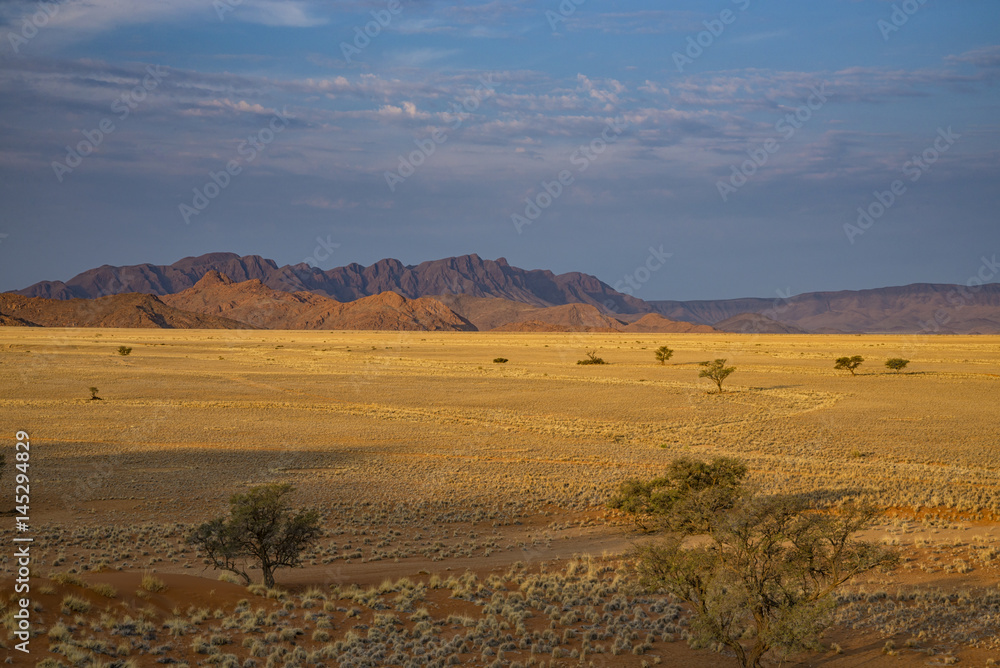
702	150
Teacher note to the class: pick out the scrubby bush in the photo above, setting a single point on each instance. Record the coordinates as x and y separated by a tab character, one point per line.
592	358
124	351
500	360
104	589
153	584
93	394
687	496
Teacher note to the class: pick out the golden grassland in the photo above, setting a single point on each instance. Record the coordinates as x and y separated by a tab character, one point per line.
423	455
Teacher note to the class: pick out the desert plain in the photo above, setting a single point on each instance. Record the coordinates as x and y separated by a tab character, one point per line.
464	500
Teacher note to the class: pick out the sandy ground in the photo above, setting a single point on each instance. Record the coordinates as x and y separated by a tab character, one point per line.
426	458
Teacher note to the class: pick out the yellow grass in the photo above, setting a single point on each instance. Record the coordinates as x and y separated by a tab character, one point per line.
426	459
429	416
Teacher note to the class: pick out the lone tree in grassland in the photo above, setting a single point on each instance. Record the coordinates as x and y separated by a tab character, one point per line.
717	371
663	353
93	394
762	578
897	364
849	363
261	530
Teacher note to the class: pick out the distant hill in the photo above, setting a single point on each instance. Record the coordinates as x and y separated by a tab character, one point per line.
509	316
509	294
755	323
921	307
254	303
128	310
467	275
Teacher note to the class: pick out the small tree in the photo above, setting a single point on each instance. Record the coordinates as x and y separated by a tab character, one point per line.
663	353
717	371
685	498
93	394
762	577
849	363
592	358
765	579
124	351
897	364
261	529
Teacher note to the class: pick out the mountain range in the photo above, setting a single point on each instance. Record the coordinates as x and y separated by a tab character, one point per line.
464	293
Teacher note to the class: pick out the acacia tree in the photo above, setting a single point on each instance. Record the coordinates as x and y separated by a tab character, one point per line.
717	371
762	579
897	364
848	363
684	498
663	353
261	530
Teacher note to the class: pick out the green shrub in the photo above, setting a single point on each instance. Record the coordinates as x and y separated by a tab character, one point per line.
592	358
500	360
124	351
897	364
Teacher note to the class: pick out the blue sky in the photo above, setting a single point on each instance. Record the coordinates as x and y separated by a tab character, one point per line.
653	136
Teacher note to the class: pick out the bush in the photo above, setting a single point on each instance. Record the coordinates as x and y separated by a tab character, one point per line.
153	584
500	360
592	358
124	351
663	353
897	364
686	497
93	394
71	604
104	589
